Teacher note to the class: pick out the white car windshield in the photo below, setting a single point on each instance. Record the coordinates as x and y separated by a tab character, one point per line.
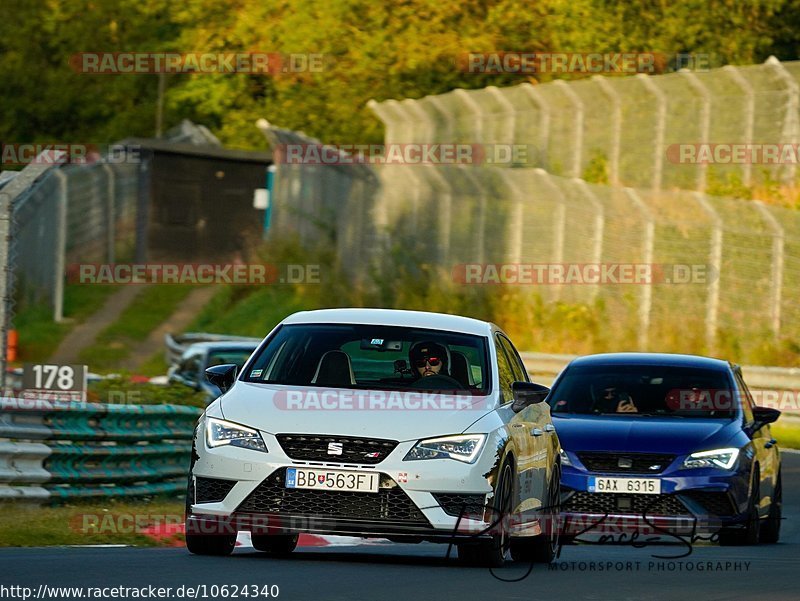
373	357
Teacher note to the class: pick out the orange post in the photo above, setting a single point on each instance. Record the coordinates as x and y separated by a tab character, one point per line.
11	351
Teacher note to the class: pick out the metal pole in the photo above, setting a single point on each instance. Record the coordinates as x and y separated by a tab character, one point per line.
616	127
559	222
776	277
544	121
749	117
661	124
791	124
705	123
61	247
577	151
646	302
111	218
712	305
599	227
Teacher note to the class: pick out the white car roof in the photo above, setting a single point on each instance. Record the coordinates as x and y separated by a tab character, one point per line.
394	317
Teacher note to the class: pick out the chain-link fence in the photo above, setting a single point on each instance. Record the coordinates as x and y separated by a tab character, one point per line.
717	267
626	130
53	215
323	203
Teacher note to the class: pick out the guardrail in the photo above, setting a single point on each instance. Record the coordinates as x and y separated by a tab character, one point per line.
178	343
545	367
61	450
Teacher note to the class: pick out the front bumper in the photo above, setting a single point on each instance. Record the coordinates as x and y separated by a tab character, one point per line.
690	501
241	489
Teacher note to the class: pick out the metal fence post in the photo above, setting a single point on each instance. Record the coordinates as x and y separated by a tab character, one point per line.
61	247
6	284
776	276
705	122
477	112
599	228
481	226
577	152
616	127
712	305
512	113
559	222
544	121
646	302
790	123
749	117
111	218
661	123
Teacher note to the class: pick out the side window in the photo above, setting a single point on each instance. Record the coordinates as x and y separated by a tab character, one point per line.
747	399
505	371
517	366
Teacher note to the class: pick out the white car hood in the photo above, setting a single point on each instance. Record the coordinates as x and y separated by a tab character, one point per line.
373	414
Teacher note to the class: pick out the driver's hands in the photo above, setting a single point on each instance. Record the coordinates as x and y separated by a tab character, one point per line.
626	406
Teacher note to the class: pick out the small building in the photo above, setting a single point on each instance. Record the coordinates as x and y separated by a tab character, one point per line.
201	196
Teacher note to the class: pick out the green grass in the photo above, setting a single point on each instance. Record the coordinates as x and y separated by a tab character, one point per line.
39	335
787	434
90	523
249	311
151	307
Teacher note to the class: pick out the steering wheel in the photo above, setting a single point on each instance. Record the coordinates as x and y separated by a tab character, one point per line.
438	382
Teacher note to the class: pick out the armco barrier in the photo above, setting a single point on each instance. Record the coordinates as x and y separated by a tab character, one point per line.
61	450
544	368
176	344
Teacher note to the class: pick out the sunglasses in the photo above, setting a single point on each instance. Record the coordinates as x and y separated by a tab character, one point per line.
433	361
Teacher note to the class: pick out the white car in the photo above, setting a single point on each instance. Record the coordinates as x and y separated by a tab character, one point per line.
403	425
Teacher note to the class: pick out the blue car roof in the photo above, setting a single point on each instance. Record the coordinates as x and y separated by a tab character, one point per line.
663	359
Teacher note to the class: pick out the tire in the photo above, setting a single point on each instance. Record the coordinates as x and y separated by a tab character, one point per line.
275	544
493	553
210	544
543	548
748	535
771	528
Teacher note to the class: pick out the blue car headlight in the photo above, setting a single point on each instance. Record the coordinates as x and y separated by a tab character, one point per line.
220	433
723	459
461	448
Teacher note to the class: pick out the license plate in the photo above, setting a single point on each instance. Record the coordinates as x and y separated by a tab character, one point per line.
300	477
636	486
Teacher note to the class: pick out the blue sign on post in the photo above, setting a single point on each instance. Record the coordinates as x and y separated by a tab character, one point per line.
271	170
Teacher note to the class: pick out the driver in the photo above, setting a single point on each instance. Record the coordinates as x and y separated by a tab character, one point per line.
428	359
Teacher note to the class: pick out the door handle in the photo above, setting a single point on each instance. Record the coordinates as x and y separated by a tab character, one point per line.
536	432
549	428
771	443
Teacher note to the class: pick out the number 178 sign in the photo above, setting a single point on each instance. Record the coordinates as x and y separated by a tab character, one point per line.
66	382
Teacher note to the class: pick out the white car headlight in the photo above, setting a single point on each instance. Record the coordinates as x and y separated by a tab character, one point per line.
461	448
220	433
719	458
564	458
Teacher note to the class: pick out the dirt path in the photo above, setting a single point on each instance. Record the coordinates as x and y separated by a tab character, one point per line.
84	334
176	323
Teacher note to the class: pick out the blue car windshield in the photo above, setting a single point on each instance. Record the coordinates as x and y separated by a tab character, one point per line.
644	390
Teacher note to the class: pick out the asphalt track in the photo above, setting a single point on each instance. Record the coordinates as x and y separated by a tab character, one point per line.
378	572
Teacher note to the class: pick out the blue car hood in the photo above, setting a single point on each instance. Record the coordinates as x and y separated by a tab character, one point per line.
641	434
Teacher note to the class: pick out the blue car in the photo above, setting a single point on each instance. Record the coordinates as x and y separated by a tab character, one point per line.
668	443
